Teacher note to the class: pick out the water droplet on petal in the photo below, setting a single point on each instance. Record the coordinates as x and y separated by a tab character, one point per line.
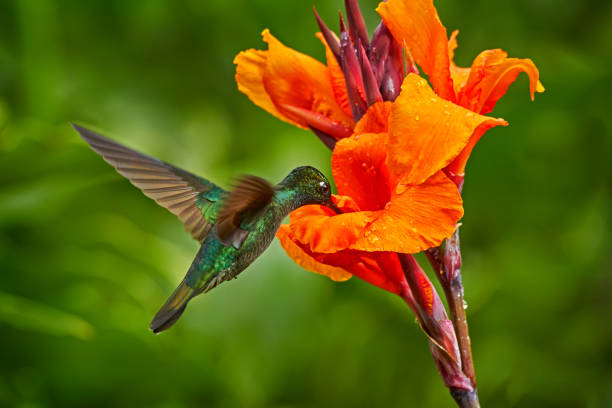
465	305
364	165
416	117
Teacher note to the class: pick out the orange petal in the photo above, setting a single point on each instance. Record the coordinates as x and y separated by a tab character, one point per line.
376	119
418	217
293	78
306	260
452	45
325	232
457	166
381	269
427	132
359	170
336	78
250	68
491	74
328	234
416	25
345	203
458	74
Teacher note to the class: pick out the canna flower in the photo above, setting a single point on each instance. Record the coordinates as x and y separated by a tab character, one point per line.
393	193
400	146
389	147
416	25
395	199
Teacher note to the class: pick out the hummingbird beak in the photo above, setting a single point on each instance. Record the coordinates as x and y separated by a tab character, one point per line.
333	206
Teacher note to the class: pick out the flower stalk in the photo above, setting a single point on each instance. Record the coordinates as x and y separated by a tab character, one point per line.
448	271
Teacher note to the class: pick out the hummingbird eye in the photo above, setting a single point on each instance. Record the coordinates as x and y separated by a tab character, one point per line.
324	187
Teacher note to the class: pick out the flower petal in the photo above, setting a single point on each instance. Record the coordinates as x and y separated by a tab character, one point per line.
250	68
458	74
427	132
359	170
306	260
457	166
491	74
330	233
293	78
381	269
416	25
282	77
376	119
417	217
336	78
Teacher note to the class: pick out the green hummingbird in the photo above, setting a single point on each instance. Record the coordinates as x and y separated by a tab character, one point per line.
233	227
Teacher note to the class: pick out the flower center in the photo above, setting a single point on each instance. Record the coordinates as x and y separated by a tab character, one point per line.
373	70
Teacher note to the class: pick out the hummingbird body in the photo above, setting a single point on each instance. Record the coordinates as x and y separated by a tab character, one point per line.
234	228
217	262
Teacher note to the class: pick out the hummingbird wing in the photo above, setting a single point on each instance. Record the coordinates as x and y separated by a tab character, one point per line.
216	255
189	197
250	195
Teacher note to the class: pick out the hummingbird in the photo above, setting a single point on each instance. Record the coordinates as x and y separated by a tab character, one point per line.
233	227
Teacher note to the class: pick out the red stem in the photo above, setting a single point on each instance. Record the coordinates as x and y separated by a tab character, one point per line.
448	271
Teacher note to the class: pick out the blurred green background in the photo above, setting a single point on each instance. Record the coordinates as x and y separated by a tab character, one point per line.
86	260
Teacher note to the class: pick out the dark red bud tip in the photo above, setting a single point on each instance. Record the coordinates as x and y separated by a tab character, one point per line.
394	73
369	80
330	38
390	86
379	50
342	25
356	22
352	75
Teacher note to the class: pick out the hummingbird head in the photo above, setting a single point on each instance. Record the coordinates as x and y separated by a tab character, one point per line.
310	187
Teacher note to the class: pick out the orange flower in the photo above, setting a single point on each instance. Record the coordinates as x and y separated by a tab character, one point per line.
393	153
295	88
391	188
416	25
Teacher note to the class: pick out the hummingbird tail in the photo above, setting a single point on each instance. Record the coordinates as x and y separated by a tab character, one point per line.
173	308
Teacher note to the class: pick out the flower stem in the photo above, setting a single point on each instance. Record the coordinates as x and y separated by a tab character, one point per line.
448	271
465	398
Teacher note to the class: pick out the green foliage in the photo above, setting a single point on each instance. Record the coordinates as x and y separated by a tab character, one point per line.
86	260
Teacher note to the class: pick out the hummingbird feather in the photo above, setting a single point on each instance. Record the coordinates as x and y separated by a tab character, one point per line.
250	195
182	193
173	308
